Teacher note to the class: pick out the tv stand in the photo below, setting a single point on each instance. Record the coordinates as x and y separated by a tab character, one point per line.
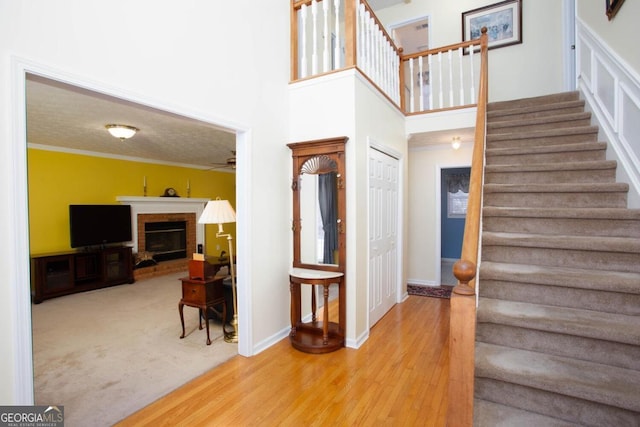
64	273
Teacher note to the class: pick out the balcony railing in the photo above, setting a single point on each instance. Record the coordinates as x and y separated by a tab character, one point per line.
332	35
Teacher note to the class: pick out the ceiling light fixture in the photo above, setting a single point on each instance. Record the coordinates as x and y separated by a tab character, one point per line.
455	142
122	131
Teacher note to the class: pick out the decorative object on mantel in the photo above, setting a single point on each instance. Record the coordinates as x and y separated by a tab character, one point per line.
121	132
612	8
144	186
188	188
170	192
220	212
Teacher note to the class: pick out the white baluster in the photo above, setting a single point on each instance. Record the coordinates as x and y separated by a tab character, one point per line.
472	90
326	49
461	76
314	37
421	83
336	52
411	91
430	82
303	41
440	76
450	78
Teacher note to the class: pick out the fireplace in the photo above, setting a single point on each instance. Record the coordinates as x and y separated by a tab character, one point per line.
166	240
165	209
167	236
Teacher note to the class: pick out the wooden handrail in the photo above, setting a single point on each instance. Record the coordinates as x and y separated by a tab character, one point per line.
462	328
471	239
435	51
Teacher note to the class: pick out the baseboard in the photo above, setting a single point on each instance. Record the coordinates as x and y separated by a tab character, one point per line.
272	340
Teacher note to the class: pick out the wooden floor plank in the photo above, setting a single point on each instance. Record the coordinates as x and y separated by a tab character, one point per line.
397	377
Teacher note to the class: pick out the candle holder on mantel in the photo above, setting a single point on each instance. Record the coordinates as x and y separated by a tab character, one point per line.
144	186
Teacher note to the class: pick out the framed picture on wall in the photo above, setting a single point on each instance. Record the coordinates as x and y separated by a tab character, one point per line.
612	7
503	21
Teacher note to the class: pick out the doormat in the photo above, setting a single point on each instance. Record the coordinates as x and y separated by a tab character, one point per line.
430	291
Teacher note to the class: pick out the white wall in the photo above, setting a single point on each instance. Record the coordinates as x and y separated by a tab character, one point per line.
537	61
220	61
617	33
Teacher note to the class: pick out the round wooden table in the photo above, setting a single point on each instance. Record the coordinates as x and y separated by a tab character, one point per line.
316	336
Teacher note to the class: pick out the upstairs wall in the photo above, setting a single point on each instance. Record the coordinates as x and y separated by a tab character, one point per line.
537	62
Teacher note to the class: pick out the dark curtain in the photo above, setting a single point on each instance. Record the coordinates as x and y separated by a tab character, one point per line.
329	212
457	182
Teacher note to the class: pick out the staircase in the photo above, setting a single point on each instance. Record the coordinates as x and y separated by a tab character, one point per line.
558	332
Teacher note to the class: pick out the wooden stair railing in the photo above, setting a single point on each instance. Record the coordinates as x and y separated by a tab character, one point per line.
463	298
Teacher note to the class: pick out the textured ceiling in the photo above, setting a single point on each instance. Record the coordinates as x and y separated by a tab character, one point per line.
68	117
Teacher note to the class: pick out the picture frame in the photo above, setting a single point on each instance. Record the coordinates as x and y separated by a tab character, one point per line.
612	7
503	21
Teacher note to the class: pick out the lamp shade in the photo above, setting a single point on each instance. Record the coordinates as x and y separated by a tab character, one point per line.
217	212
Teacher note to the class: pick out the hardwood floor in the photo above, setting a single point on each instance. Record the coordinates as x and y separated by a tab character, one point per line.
398	377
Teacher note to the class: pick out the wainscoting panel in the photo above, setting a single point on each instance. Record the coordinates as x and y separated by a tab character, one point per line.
611	89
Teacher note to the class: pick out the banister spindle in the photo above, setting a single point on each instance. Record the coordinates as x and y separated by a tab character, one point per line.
450	78
314	37
336	52
472	89
411	91
303	41
430	81
420	83
326	46
461	76
441	95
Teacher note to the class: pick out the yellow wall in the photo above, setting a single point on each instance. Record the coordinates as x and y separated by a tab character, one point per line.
57	180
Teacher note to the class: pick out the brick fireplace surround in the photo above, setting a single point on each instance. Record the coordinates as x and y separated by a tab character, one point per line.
162	209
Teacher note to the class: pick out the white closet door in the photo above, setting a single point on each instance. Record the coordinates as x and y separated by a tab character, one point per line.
383	234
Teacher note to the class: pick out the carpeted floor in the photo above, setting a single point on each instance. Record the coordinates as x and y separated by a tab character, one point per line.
430	291
107	353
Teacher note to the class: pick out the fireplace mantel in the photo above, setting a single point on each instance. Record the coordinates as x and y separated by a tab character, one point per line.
162	205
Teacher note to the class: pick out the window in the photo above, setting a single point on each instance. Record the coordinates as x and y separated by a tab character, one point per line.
457	204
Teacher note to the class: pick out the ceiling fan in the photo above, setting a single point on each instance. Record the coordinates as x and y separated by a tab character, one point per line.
229	164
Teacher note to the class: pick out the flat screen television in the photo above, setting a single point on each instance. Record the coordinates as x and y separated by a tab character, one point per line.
93	225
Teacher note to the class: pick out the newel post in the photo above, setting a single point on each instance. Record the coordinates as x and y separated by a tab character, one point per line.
462	332
350	30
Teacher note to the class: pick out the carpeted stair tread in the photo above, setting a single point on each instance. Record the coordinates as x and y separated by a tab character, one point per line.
535	101
506	125
583	243
617	387
583	412
573	213
546	133
491	414
571	321
551	167
614	222
615	281
557	188
544	153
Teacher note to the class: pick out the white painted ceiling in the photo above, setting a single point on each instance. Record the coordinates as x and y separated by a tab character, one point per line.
71	118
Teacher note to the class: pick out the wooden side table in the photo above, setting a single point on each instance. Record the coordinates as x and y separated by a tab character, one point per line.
203	295
316	337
